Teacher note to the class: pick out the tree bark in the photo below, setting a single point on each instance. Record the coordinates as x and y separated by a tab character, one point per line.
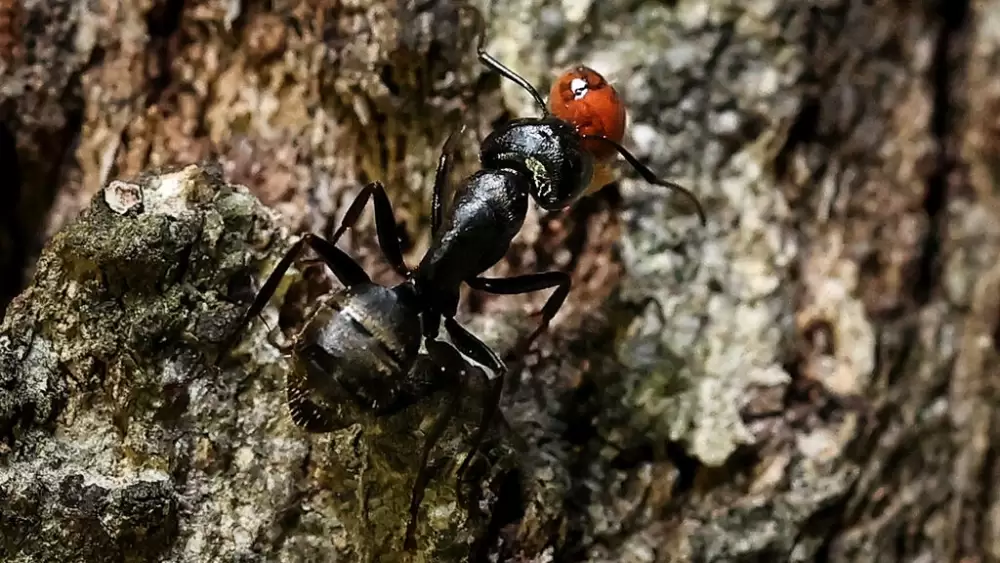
806	379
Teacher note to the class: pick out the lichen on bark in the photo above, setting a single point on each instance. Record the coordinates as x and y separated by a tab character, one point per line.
122	441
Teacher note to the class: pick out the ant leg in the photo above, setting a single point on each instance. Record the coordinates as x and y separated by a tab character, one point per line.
441	178
450	361
513	286
498	67
347	270
527	284
284	346
424	474
385	223
473	347
343	266
479	351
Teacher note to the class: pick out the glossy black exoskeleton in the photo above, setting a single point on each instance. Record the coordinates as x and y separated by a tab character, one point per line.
356	352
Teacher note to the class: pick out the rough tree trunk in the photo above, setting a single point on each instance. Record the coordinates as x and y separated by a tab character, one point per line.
810	381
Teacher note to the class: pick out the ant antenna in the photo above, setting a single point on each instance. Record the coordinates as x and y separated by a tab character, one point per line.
498	67
649	176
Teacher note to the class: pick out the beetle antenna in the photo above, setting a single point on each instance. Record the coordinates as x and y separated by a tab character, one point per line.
498	67
649	176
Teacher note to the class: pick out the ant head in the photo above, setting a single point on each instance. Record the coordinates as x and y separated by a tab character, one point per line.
564	152
549	152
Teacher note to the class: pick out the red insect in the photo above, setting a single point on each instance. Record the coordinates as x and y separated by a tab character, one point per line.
583	97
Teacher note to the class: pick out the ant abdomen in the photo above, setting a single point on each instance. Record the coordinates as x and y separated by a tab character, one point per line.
351	355
548	151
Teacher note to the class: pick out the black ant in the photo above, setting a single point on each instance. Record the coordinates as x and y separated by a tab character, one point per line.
356	351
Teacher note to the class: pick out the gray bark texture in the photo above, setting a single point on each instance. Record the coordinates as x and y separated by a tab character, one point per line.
806	379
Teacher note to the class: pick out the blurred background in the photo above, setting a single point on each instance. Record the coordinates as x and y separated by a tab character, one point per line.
805	379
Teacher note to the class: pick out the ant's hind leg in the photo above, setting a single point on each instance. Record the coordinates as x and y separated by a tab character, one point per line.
344	267
424	474
479	351
385	224
451	362
512	286
347	270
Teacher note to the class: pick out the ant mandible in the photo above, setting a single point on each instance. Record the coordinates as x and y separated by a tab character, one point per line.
357	349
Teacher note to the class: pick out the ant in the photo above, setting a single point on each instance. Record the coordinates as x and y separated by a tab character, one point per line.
357	350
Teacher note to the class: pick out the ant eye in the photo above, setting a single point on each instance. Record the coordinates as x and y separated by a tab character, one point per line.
584	99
